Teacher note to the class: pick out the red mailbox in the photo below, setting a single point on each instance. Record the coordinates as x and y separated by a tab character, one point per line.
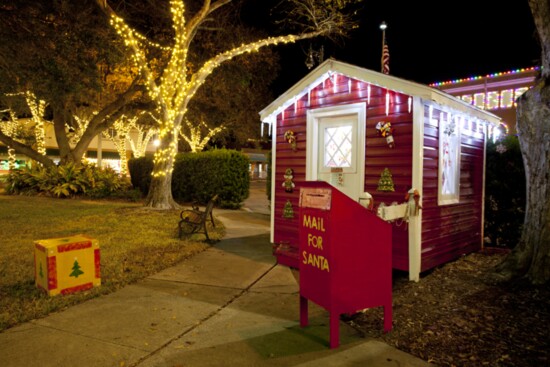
345	256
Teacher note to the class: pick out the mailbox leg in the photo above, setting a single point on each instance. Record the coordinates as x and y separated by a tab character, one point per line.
303	312
387	318
334	330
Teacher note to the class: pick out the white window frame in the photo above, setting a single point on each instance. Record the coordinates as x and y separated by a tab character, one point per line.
449	193
353	164
313	118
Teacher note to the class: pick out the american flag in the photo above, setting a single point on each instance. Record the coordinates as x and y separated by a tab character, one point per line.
385	59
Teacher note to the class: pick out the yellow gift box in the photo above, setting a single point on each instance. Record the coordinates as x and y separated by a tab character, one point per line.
67	265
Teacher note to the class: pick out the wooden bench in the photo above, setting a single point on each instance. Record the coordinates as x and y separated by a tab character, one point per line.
194	220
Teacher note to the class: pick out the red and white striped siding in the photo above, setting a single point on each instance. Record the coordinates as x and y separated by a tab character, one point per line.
377	153
440	233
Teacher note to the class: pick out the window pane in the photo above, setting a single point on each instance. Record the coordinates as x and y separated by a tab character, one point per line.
492	100
479	100
338	144
507	98
467	98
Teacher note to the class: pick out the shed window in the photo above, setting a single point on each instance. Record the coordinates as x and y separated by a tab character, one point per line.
449	159
338	144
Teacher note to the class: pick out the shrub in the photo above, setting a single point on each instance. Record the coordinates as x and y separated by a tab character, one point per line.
140	173
107	183
65	181
504	192
199	176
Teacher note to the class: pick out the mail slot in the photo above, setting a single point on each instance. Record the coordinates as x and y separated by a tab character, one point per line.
345	256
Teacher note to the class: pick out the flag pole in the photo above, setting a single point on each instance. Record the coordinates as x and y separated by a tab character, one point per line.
383	27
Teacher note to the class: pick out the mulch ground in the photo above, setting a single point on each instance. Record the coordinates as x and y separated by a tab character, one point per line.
456	316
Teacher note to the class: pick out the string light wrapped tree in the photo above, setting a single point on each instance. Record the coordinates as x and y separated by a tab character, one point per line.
173	85
73	59
11	128
119	134
195	137
37	108
138	144
11	124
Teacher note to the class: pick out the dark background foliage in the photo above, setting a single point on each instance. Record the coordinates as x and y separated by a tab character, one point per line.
504	193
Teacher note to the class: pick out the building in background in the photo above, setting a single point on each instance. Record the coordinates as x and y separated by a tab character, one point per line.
101	151
496	93
258	163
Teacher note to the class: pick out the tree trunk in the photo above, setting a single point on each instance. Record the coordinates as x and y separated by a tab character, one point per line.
160	191
531	257
59	113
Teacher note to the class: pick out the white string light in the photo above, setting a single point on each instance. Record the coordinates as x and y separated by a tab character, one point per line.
368	93
176	87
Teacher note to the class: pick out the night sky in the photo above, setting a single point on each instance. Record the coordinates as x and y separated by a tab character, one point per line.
429	41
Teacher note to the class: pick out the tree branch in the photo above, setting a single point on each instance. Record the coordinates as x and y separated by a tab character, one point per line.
206	9
26	150
107	116
200	76
139	57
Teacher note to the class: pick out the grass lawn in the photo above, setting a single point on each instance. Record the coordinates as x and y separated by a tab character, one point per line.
135	242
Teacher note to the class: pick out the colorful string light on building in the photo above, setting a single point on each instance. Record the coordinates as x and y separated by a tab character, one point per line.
494	75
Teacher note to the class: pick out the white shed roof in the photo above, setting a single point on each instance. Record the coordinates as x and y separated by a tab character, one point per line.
413	89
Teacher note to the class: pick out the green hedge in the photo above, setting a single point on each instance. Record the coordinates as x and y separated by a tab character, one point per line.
199	176
140	173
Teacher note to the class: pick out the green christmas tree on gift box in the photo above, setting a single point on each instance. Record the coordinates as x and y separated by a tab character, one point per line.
76	270
385	183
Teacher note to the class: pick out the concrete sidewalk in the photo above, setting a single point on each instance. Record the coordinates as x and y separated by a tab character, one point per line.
230	305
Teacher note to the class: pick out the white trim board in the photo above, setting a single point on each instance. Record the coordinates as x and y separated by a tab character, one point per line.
330	66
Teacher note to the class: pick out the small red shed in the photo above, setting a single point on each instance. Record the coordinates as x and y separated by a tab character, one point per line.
417	151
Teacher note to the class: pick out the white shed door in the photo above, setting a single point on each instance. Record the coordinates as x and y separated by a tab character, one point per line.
336	147
338	154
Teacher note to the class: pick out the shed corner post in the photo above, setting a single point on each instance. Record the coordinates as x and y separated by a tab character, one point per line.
272	122
415	222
